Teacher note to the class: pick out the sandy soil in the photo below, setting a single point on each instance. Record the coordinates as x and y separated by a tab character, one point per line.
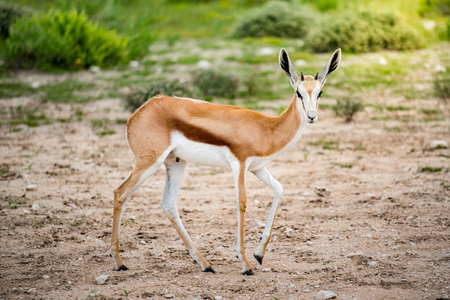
381	233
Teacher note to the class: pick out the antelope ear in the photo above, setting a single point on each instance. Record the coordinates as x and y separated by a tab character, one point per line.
330	67
288	68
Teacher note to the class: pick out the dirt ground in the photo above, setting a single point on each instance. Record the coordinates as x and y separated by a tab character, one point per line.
381	232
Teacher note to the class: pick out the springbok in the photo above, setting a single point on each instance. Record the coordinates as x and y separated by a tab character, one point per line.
174	131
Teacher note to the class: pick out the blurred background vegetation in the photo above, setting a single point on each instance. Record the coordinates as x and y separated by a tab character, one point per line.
216	49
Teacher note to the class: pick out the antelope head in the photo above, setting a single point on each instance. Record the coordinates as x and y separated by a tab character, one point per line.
308	89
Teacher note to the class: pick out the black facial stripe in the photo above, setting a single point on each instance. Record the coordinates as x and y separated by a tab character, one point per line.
300	96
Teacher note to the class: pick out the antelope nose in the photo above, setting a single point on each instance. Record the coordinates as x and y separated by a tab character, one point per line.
311	114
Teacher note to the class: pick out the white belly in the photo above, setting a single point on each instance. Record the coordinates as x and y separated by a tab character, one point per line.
200	153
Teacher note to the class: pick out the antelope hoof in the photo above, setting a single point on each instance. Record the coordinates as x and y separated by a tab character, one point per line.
258	258
122	268
209	269
248	273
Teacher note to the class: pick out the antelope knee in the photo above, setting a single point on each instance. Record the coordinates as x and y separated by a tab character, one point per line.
242	205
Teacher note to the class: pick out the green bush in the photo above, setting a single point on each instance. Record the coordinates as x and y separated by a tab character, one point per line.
348	107
8	14
363	32
435	7
441	85
171	88
213	83
62	40
277	19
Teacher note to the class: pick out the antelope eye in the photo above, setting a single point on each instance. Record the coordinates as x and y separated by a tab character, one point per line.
300	96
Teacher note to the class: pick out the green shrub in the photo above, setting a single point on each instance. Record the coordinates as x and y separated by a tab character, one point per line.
213	83
441	85
8	14
434	7
62	40
277	19
171	88
348	107
363	32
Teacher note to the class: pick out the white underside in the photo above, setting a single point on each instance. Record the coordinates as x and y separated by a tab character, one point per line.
220	156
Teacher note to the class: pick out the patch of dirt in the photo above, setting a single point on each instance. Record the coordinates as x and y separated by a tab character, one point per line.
381	208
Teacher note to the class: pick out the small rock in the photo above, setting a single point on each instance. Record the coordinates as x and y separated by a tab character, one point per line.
169	296
35	206
217	297
309	243
323	295
359	253
428	25
143	242
46	277
322	191
441	69
288	232
373	264
31	291
101	279
259	224
133	63
203	64
307	291
382	61
300	63
26	211
265	51
437	144
31	187
266	269
35	84
94	69
89	213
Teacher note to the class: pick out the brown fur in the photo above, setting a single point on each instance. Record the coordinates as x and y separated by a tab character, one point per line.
246	133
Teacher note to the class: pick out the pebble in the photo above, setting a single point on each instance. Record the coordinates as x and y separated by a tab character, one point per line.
31	291
307	291
373	264
309	243
265	51
46	277
101	279
322	191
94	69
203	64
168	296
323	295
31	187
266	269
35	84
359	253
133	63
440	68
35	206
382	61
143	242
259	224
300	63
428	25
217	297
288	232
438	144
89	213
